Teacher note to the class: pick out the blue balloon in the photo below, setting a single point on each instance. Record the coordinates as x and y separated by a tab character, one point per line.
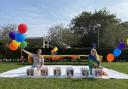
116	52
20	37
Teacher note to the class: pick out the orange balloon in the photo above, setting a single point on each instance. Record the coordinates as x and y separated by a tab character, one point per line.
110	57
13	46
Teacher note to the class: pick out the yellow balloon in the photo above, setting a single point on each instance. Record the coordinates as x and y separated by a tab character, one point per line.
15	42
55	49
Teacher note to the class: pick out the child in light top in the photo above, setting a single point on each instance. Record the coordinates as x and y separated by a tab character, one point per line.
38	60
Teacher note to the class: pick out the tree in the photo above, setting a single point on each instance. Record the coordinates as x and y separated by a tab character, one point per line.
61	36
85	24
4	31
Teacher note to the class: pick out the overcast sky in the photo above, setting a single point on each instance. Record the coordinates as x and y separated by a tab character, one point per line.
39	15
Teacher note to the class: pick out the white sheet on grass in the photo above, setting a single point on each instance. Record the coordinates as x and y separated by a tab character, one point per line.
21	72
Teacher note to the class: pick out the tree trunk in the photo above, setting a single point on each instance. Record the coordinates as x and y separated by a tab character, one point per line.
5	48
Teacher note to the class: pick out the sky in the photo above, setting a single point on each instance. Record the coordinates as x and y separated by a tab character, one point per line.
40	15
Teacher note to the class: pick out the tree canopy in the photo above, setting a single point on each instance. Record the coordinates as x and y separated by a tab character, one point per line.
111	29
4	32
61	36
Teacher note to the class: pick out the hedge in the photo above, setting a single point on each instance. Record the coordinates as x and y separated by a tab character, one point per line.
72	51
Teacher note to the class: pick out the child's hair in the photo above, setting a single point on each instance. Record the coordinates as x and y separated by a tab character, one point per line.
38	50
97	56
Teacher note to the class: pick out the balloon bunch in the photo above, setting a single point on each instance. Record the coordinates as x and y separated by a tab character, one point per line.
116	51
18	38
54	51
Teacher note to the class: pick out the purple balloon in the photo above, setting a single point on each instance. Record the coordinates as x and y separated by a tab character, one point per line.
121	45
12	35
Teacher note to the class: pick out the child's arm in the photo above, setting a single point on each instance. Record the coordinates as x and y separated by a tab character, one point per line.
26	52
42	60
93	63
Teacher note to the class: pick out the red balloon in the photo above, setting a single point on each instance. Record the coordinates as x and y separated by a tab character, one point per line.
22	28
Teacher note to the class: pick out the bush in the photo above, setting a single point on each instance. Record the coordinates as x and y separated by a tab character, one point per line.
71	51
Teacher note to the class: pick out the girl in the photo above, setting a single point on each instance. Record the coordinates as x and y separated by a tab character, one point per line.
38	60
93	60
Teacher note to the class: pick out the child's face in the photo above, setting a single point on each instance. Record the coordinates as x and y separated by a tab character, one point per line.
39	52
93	53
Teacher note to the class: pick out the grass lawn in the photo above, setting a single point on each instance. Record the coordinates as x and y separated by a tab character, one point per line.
5	66
64	83
31	83
118	66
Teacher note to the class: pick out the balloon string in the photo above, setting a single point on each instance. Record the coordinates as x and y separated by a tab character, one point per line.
21	53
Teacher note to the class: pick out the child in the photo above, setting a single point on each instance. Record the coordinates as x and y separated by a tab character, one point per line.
38	60
93	60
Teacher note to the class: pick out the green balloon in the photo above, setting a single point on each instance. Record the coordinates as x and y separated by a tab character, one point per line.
23	45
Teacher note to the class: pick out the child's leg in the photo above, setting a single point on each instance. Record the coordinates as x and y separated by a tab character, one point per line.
90	69
98	63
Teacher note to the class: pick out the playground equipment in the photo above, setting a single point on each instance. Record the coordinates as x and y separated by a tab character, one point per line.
64	71
44	71
70	72
84	72
99	72
57	71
